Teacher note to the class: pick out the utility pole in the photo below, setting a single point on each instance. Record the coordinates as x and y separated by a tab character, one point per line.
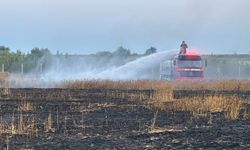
21	68
41	68
2	67
239	70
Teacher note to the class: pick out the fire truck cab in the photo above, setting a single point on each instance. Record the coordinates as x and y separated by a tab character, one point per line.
188	66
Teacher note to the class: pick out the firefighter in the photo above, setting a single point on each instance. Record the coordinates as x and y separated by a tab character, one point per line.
184	47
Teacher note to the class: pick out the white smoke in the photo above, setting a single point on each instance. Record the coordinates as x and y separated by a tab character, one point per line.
137	69
142	68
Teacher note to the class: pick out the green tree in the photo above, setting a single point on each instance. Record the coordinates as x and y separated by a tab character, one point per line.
122	52
104	54
5	57
35	57
150	51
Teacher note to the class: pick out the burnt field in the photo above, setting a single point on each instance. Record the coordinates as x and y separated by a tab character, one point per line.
166	118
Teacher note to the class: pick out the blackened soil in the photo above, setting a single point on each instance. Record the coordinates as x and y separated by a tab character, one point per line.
101	122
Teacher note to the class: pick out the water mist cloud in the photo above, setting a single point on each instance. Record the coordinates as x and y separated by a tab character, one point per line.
87	68
132	70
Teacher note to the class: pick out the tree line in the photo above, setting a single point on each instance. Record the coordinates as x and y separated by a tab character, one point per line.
32	60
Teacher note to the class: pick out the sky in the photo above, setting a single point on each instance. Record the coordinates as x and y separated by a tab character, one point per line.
89	26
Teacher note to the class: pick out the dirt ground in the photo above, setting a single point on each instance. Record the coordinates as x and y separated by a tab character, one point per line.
80	119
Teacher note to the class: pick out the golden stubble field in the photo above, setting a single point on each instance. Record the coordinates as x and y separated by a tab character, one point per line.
163	98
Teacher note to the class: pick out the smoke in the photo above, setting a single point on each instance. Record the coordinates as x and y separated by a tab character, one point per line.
92	68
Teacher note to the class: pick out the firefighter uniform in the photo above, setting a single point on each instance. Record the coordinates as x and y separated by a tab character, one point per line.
184	47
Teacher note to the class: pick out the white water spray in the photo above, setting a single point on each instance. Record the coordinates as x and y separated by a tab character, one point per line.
138	69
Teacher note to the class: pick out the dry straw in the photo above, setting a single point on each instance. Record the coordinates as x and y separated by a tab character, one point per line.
229	105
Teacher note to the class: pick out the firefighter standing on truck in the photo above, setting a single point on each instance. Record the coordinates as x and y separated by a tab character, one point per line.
184	47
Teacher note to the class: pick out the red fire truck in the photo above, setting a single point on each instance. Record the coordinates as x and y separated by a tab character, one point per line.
188	66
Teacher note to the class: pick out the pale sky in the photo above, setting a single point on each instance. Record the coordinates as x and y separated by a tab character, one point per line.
88	26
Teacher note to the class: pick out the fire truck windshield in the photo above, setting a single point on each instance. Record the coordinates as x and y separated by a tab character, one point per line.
189	64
